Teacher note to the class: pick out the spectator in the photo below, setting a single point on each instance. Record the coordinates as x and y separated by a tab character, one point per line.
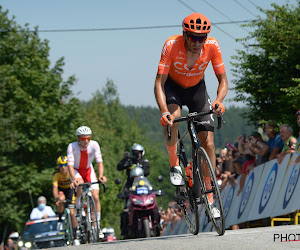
225	167
297	147
256	145
286	134
11	243
42	211
275	143
249	163
236	161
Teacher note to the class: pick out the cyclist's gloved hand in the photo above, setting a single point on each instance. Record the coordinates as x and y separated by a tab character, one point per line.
221	107
164	121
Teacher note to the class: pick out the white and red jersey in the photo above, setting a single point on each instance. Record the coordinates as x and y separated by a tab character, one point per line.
82	160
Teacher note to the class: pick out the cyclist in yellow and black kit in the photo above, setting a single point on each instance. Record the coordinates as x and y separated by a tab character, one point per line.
62	191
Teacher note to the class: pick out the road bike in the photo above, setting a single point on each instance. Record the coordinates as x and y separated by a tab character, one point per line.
69	234
194	191
89	224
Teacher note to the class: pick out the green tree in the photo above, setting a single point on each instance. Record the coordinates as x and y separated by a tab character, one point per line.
37	114
267	74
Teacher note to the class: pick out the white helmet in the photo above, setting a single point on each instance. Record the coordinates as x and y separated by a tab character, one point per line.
83	130
137	147
136	172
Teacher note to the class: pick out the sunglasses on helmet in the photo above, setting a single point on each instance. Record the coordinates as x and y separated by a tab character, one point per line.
194	38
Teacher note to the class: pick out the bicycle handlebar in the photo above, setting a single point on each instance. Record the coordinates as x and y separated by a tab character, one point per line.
88	184
194	115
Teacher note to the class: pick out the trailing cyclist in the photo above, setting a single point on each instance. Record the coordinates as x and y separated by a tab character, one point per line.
62	191
180	81
80	157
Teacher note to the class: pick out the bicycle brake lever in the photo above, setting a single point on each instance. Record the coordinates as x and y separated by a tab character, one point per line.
104	187
220	117
169	128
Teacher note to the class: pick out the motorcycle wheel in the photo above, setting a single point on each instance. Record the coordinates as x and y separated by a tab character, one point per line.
146	228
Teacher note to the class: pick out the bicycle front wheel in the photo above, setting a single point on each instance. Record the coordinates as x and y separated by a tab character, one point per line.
187	203
93	224
69	228
208	189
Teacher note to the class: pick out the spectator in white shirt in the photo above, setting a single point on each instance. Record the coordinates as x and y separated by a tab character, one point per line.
42	211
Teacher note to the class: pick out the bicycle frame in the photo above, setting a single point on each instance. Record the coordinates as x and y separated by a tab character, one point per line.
191	130
196	191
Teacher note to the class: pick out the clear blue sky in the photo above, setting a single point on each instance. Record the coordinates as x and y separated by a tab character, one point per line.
129	57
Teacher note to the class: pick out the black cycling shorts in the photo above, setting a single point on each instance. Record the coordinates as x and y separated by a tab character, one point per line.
195	98
70	195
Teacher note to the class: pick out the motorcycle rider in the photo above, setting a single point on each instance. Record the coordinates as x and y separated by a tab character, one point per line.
129	162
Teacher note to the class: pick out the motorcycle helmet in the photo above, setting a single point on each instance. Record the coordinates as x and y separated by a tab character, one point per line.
136	149
136	172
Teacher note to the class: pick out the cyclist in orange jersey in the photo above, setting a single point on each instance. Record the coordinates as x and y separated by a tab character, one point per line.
180	81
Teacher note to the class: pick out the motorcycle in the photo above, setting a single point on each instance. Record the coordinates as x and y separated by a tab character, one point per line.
143	218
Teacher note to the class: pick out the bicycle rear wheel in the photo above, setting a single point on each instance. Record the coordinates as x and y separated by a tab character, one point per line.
219	223
93	225
187	203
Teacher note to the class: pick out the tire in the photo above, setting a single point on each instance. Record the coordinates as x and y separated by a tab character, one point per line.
200	157
93	227
83	226
69	228
190	214
146	226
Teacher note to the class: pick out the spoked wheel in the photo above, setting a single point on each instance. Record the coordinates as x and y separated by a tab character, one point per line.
93	225
186	201
218	222
69	228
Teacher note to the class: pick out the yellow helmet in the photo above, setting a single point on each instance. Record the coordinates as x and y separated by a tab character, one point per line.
62	160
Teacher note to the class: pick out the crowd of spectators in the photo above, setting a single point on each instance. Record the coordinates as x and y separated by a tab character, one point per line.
250	151
170	216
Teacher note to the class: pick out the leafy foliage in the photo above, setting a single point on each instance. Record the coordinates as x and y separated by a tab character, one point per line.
148	120
37	112
267	74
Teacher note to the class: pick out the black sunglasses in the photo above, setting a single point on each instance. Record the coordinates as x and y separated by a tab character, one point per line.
194	39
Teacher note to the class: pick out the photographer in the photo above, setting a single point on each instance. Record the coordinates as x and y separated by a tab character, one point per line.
249	164
236	161
256	145
129	162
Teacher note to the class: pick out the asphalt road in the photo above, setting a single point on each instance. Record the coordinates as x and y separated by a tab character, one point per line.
280	237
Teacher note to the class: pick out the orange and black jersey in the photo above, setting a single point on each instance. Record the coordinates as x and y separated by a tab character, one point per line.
173	61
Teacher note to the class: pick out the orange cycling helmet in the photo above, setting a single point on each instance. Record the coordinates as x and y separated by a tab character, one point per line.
196	23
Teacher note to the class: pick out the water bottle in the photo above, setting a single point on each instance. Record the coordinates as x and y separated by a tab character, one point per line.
189	173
